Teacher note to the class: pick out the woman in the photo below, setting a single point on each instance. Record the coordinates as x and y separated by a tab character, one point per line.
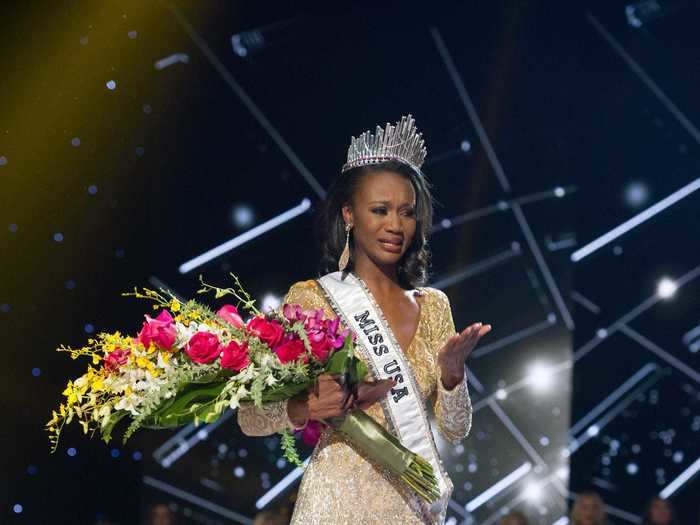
374	226
589	509
659	512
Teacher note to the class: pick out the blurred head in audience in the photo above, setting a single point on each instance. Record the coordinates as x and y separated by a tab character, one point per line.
514	518
160	514
659	512
269	517
588	510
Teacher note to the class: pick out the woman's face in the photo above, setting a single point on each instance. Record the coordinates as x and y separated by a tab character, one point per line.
383	215
660	512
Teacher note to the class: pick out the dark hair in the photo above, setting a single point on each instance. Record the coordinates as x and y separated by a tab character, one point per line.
646	519
413	266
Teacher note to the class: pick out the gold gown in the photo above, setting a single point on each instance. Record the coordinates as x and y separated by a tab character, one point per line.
340	485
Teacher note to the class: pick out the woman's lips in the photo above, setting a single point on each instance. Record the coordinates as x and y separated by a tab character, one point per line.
390	246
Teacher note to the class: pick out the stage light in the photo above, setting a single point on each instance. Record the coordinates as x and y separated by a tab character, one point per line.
18	508
465	146
666	288
559	191
36	372
593	430
75	141
239	472
601	333
632	469
636	194
445	223
133	34
115	453
137	456
72	452
563	473
58	237
92	189
532	492
89	328
501	394
3	161
12	228
540	377
242	215
111	85
270	301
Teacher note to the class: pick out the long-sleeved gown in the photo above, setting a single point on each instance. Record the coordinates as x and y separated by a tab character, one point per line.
340	485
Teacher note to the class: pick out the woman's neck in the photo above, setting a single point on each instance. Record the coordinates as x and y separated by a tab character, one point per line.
381	280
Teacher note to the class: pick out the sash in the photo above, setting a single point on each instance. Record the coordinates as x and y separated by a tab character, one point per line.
403	408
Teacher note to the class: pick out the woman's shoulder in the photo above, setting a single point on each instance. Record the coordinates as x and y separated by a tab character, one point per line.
307	293
434	296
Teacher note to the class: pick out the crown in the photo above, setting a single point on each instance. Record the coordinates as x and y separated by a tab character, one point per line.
400	142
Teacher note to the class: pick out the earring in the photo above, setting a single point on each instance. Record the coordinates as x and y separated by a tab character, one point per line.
345	256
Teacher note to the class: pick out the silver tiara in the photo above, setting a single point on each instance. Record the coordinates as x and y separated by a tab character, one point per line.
401	142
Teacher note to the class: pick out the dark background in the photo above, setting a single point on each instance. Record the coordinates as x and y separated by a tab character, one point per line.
546	125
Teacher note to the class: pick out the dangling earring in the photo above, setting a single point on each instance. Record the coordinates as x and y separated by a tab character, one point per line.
345	256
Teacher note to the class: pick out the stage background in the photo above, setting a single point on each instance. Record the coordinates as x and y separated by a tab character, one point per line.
137	137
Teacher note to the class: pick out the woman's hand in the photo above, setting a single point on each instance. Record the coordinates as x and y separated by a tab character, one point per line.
369	393
452	356
327	399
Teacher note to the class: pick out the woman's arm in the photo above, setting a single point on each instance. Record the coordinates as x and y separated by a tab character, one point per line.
291	414
452	404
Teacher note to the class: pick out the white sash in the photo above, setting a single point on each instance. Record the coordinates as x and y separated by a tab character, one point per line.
403	407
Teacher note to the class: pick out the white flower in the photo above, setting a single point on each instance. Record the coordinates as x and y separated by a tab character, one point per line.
237	396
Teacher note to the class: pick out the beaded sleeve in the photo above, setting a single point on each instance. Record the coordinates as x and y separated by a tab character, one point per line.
273	417
453	408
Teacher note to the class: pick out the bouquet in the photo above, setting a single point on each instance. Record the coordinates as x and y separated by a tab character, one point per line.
190	364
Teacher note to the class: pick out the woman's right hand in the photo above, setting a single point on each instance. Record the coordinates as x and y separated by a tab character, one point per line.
327	399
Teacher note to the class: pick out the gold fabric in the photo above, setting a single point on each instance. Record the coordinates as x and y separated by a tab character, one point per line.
340	485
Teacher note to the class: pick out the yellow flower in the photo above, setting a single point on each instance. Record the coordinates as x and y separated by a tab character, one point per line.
96	359
175	305
166	357
98	385
151	348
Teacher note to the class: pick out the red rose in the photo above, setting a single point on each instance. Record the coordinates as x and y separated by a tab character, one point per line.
229	313
290	350
320	347
116	358
203	347
269	332
235	356
160	331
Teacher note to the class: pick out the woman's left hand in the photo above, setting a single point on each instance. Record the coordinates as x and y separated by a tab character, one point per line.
452	356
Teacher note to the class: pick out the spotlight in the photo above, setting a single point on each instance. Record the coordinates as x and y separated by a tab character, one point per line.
501	394
270	301
540	377
666	288
532	492
242	216
636	194
559	191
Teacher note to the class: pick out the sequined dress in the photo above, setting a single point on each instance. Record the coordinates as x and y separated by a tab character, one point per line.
340	485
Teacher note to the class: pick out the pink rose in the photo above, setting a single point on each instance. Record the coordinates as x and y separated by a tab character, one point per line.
203	347
229	313
235	356
294	313
116	358
312	433
269	332
290	350
160	331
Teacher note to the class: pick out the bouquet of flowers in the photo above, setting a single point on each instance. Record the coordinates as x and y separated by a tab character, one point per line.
190	364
